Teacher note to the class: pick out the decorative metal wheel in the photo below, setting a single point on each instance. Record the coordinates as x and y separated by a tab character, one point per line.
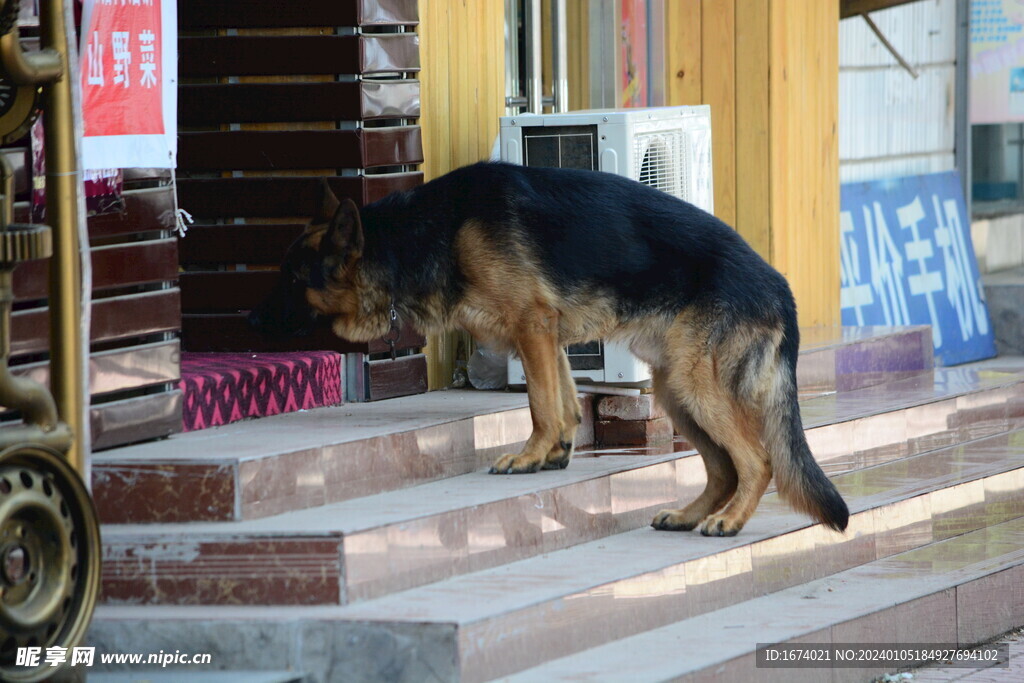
49	559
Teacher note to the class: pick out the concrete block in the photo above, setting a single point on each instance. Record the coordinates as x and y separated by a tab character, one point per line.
642	407
633	432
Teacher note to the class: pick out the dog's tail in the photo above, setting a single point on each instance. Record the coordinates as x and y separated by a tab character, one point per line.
799	479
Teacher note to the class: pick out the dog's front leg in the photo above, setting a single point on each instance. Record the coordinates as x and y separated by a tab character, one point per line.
538	348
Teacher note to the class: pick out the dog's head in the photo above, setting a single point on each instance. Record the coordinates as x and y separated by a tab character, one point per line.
320	277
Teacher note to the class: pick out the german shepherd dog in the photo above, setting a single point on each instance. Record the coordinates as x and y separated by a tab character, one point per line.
533	259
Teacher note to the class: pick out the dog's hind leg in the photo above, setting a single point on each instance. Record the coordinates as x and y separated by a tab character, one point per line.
538	348
721	473
561	454
710	379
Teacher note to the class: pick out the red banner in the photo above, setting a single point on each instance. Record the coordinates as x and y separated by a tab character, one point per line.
128	83
121	83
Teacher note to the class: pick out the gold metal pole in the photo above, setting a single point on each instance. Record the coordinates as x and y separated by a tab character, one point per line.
62	179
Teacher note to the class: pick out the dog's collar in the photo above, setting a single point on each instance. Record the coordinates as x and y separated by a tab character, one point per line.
394	332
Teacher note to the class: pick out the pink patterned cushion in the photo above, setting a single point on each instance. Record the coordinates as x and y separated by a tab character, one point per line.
224	387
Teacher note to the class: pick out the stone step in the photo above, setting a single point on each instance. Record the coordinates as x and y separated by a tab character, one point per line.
259	468
960	592
370	546
498	621
846	358
253	469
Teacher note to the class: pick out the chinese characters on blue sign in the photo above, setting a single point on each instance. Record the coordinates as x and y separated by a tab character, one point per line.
907	259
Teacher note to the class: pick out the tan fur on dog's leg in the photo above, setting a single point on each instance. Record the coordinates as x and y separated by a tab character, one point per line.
693	377
561	454
721	473
754	472
538	348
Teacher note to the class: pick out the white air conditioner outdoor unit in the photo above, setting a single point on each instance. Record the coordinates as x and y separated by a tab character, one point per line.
665	147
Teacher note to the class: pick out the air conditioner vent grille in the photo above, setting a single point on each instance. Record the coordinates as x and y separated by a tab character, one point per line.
662	161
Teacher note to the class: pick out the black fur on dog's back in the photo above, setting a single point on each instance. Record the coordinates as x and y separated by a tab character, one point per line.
653	252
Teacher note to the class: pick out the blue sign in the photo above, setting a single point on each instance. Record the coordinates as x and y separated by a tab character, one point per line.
907	259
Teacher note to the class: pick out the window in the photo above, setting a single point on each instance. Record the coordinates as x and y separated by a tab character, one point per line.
997	168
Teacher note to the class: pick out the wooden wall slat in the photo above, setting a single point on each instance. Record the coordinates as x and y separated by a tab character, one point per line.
120	369
137	419
683	53
133	175
231	332
204	14
804	154
145	211
281	197
753	199
463	97
392	145
718	65
121	265
383	53
280	150
255	244
115	318
401	377
216	291
286	55
217	104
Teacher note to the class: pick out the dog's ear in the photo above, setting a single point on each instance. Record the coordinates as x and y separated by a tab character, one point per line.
344	239
326	204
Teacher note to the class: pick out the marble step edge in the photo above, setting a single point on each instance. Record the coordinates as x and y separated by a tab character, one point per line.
854	605
185	489
328	567
961	591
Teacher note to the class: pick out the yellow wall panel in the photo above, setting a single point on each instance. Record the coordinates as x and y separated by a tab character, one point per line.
769	69
804	118
683	52
753	178
578	38
462	94
718	89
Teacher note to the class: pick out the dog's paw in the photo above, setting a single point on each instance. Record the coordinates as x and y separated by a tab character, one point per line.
720	525
516	463
672	520
559	457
